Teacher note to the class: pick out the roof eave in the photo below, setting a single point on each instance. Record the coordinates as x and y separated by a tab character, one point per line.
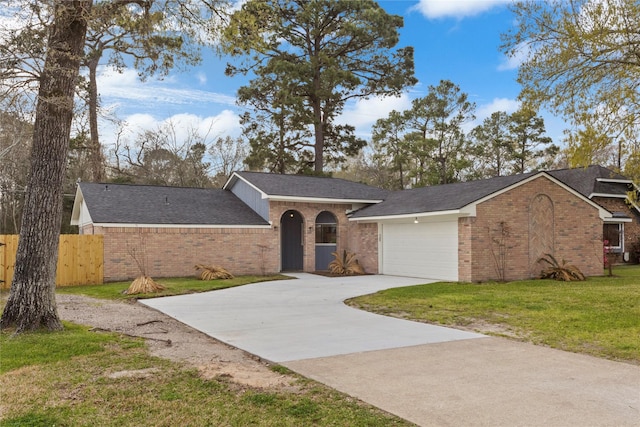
615	181
415	215
279	198
135	225
614	196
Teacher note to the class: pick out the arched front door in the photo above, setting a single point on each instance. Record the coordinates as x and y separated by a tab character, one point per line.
291	245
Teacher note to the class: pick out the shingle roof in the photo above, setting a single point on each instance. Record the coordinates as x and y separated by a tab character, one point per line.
312	187
438	198
585	180
147	204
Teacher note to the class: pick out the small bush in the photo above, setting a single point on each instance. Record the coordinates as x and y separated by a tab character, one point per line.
209	272
345	265
143	285
563	272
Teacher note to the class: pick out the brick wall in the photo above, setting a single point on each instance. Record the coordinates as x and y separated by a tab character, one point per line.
576	233
173	252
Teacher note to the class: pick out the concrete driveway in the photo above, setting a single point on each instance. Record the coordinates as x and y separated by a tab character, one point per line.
427	374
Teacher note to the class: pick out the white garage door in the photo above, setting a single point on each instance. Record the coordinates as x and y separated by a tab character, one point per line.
427	250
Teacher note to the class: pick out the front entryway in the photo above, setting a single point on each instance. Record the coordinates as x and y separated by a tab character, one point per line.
292	249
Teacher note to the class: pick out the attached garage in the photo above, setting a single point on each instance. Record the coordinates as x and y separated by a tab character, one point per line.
423	249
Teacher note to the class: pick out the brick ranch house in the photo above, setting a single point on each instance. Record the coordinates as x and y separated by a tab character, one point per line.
262	223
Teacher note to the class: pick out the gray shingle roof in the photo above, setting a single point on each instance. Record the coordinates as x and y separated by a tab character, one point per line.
585	180
147	204
312	187
439	197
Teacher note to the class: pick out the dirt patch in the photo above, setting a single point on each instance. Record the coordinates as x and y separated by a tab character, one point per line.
170	339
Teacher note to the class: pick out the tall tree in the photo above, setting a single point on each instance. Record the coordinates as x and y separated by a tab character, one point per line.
330	51
493	145
436	121
31	303
529	139
580	60
278	137
389	139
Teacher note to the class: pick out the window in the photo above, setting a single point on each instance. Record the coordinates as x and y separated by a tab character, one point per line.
612	233
326	228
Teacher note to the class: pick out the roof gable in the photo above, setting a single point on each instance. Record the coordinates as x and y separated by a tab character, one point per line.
594	180
155	205
308	188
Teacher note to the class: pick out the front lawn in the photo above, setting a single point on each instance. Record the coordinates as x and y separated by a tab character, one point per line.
600	317
77	377
173	286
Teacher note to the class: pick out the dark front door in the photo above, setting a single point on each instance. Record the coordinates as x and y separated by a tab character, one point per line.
291	241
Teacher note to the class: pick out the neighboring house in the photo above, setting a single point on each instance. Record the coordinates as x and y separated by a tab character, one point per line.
263	223
611	191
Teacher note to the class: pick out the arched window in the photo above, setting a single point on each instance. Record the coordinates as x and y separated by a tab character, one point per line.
326	228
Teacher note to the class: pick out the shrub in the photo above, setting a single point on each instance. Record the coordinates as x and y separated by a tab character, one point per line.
345	265
564	272
143	285
208	272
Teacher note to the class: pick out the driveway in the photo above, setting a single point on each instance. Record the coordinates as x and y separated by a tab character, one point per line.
427	374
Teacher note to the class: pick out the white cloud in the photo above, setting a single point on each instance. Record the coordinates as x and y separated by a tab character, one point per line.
202	78
513	62
126	86
363	113
498	104
434	9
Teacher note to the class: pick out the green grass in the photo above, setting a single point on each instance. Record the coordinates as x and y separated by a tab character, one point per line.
74	387
38	348
600	317
173	286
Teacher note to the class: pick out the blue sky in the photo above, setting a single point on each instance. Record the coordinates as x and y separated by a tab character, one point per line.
456	40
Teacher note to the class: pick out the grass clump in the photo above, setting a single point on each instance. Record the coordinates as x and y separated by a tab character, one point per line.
600	316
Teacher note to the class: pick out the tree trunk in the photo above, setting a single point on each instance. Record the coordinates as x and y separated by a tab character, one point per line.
31	304
318	125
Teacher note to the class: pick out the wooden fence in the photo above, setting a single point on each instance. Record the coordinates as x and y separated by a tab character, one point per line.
80	260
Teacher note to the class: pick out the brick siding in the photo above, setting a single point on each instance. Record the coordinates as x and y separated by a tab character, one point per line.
576	231
173	252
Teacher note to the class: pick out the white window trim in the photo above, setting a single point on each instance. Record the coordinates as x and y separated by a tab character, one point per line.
620	248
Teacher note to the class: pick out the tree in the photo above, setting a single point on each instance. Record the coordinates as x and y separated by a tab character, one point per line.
493	145
389	139
437	138
155	37
15	146
279	139
31	303
581	61
227	156
170	155
328	52
528	133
